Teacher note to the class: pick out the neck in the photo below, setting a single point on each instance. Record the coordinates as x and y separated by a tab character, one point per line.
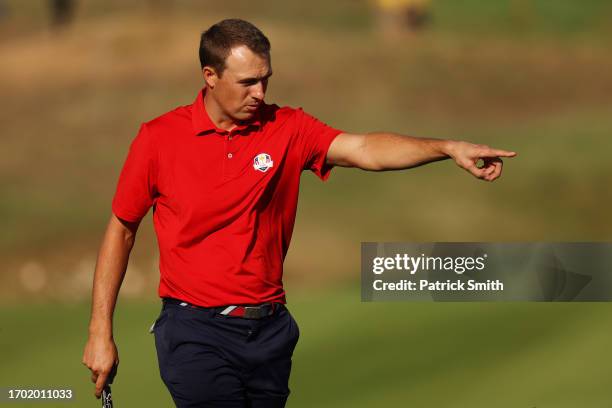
216	114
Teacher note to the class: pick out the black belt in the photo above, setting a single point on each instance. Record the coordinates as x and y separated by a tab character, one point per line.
246	312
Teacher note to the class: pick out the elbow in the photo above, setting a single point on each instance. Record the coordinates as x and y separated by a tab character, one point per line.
369	163
375	167
363	164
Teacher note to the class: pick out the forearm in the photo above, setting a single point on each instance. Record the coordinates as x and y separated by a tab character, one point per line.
391	151
109	273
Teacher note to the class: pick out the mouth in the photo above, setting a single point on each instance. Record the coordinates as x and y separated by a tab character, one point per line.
252	108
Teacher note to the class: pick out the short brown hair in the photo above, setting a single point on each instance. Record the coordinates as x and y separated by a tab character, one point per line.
217	42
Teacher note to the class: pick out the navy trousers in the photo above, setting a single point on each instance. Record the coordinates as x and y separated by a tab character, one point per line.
210	360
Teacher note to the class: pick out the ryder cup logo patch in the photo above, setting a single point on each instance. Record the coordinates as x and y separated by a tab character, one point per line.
262	162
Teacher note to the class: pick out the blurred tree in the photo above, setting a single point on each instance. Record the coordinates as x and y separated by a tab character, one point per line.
4	10
397	16
523	12
62	12
160	5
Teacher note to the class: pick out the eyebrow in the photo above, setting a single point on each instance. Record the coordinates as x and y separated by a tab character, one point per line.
255	79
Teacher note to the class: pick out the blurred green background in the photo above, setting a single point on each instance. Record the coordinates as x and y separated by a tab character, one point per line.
533	76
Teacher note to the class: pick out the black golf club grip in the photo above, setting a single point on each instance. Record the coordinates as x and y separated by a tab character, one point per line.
107	398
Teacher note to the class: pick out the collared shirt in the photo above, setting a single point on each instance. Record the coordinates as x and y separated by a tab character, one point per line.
224	203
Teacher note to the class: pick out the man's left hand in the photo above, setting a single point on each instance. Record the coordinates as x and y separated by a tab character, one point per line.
468	155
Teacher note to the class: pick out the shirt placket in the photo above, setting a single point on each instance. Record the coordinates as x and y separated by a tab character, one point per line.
229	157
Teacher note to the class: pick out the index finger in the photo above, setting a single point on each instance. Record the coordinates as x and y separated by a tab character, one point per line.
100	383
499	153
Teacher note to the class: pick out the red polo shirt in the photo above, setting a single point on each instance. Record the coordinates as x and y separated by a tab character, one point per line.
224	203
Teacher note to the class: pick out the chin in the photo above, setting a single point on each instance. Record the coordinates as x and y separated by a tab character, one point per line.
245	115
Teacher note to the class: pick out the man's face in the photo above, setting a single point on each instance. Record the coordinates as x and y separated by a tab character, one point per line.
240	90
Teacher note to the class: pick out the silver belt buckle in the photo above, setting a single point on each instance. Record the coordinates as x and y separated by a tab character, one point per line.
253	312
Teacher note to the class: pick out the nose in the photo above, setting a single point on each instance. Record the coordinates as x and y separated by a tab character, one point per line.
258	91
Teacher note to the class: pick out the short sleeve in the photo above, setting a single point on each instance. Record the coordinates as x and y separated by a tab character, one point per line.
137	186
315	137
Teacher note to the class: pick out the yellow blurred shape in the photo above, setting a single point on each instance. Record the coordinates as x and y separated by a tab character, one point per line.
395	5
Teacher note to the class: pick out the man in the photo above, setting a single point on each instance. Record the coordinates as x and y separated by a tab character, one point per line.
222	176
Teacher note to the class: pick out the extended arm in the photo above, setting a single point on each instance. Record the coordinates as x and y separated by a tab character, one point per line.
100	353
389	151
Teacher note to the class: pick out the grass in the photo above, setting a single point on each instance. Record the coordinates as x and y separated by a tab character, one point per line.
353	354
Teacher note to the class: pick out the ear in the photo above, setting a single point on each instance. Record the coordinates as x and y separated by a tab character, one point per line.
210	76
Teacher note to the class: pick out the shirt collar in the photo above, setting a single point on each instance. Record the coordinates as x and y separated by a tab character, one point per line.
202	124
